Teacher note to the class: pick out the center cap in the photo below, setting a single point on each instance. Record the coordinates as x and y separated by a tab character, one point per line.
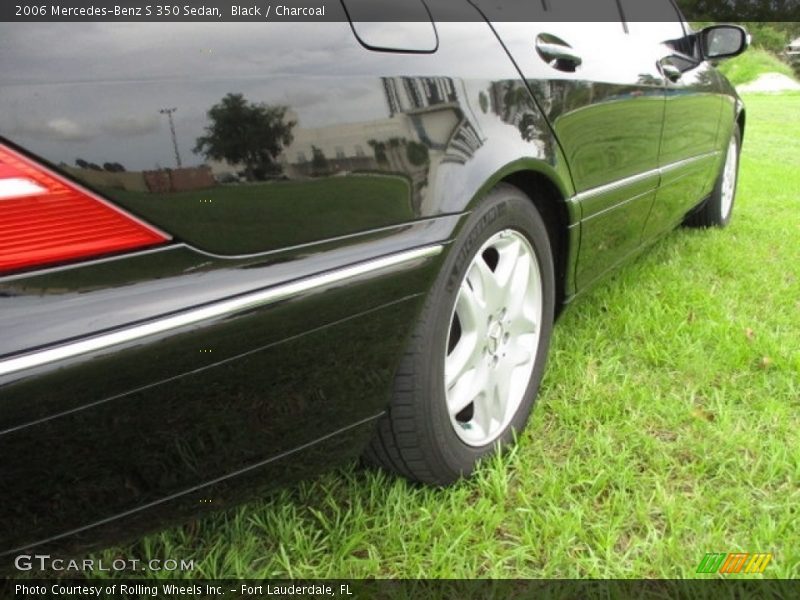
495	335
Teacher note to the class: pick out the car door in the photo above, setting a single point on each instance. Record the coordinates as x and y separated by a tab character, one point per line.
606	105
688	157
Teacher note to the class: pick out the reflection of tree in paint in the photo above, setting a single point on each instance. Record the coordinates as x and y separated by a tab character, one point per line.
113	167
85	164
318	161
247	133
513	103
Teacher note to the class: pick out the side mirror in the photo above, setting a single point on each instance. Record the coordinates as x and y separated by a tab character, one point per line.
723	41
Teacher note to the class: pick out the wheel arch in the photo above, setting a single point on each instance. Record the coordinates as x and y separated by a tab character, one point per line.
551	203
549	192
546	181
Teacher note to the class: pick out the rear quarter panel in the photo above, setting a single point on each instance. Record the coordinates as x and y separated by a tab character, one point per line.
141	430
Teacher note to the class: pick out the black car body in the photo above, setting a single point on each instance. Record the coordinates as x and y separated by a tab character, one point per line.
257	342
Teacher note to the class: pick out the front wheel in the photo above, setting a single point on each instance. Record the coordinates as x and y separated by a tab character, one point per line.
718	209
470	375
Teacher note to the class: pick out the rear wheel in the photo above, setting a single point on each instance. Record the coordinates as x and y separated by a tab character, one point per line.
718	209
470	375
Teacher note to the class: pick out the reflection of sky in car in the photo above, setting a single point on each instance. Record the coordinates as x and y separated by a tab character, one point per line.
207	61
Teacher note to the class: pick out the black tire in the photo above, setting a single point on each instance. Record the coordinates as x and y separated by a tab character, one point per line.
415	438
714	212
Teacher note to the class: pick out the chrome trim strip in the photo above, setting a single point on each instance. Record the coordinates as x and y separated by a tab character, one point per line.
212	311
620	183
90	262
687	161
614	185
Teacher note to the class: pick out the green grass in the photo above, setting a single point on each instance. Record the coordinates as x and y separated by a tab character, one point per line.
667	427
753	63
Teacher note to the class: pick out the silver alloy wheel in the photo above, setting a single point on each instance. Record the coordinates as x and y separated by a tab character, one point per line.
493	339
729	179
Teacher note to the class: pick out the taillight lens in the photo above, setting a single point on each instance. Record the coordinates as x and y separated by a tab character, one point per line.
46	219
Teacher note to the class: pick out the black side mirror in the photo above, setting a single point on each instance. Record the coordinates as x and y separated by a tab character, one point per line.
723	41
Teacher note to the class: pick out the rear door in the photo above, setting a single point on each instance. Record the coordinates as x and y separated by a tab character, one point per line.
605	101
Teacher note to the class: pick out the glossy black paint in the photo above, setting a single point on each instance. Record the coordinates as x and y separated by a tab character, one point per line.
101	446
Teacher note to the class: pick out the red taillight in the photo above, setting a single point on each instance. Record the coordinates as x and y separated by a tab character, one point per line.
46	219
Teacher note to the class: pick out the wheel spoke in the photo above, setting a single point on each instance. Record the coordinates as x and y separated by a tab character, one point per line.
523	324
518	354
511	254
482	279
502	386
470	308
466	390
461	359
482	417
466	354
518	288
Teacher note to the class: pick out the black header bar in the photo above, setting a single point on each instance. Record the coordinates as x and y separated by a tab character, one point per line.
387	10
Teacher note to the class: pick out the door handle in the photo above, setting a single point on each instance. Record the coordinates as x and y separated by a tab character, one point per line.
557	53
670	71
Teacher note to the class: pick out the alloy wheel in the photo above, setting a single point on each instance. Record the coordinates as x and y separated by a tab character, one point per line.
493	338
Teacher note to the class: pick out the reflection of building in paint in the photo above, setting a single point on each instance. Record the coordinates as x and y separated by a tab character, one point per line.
423	111
513	103
409	94
432	104
511	100
159	182
345	147
179	180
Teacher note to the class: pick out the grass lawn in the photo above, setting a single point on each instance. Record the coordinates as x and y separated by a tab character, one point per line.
749	66
668	426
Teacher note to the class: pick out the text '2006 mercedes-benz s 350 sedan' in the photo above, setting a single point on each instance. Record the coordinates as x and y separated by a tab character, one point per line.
235	254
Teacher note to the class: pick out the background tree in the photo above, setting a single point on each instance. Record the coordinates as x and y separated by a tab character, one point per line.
741	10
246	133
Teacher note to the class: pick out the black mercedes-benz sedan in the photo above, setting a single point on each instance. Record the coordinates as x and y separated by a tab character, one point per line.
235	254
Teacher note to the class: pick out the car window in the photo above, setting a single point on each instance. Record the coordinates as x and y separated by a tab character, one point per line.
659	22
656	19
599	11
595	11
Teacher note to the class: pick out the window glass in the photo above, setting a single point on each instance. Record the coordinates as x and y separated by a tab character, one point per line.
599	11
655	19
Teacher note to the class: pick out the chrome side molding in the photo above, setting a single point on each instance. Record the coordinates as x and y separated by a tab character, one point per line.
214	310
